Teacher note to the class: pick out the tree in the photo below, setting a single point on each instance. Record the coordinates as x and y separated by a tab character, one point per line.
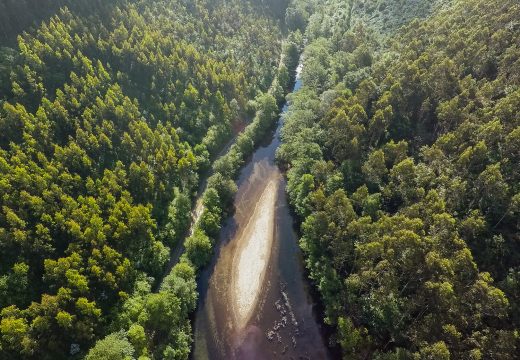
209	222
178	217
13	287
374	168
493	191
267	113
225	188
114	347
198	248
296	18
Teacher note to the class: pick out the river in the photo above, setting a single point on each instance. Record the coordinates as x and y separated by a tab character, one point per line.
254	298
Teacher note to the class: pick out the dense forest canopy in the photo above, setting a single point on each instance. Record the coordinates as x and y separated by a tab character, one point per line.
110	112
17	16
402	150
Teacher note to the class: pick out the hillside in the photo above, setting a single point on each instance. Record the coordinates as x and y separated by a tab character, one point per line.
386	17
109	117
402	158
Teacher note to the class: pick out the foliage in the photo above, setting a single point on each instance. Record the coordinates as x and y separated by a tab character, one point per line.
198	248
115	346
156	325
403	169
110	112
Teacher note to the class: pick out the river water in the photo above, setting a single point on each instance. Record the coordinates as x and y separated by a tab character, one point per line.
254	299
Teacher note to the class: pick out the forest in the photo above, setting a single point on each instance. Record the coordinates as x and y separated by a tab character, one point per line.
401	154
402	157
110	114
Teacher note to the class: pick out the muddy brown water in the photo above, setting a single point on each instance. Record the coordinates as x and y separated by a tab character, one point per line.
254	300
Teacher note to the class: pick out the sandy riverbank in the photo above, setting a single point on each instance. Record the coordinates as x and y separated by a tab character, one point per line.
252	258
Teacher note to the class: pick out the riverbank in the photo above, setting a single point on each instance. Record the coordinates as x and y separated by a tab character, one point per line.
254	300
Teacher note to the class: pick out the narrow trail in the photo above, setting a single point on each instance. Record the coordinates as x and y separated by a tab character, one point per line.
177	250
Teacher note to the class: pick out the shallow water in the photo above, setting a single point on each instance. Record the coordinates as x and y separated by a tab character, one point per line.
254	298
